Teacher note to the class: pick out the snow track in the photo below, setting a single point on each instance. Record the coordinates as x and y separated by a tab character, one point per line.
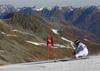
91	64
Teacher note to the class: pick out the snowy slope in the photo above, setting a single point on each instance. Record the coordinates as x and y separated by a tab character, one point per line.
91	64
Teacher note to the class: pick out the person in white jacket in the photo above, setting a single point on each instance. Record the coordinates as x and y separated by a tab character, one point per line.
83	50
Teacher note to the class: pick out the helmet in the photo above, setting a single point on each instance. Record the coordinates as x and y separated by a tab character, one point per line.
77	42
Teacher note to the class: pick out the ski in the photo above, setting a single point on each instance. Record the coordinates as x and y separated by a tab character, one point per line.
70	59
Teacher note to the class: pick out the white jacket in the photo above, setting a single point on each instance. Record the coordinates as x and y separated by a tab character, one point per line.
83	50
80	46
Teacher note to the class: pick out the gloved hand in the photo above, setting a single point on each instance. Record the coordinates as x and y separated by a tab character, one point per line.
74	53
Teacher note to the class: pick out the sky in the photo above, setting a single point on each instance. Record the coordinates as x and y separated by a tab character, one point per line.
50	3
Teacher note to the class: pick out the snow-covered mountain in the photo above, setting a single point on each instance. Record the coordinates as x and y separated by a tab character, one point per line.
5	9
35	8
98	7
11	8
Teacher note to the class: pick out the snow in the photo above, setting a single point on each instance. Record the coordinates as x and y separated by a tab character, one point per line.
15	30
8	34
71	42
85	39
67	40
36	43
55	45
44	44
3	11
98	7
70	7
49	8
7	7
58	45
3	33
55	31
91	64
37	8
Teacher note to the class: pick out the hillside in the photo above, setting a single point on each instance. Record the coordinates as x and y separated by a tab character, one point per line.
15	49
68	27
15	37
93	47
65	27
50	22
23	39
86	18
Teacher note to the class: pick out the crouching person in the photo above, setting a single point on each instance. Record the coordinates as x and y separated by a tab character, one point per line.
83	50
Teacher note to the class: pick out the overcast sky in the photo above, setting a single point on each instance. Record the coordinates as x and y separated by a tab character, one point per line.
50	3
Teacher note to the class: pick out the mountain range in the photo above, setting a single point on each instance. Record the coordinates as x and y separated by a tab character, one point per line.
86	18
23	33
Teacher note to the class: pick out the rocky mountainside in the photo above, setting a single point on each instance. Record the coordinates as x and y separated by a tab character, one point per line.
23	38
86	18
67	26
55	11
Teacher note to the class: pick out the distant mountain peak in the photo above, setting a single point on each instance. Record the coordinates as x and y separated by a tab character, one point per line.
49	8
37	8
7	7
57	7
98	7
